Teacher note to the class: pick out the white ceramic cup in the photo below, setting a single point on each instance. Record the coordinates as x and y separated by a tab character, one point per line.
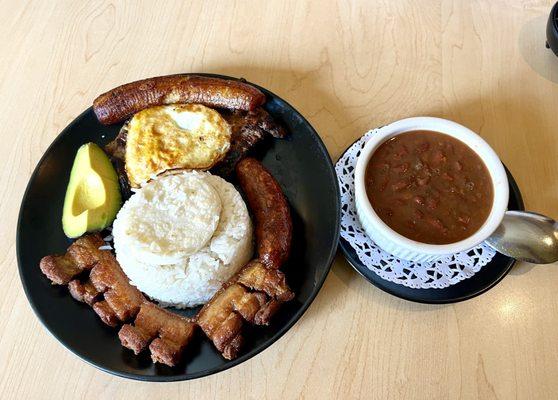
408	249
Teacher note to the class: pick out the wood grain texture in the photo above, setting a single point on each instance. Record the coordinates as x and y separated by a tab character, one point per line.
347	67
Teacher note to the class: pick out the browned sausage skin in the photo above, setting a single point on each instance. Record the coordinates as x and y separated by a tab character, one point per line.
270	209
124	101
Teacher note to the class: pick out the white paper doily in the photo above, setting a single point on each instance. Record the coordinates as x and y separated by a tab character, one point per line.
433	275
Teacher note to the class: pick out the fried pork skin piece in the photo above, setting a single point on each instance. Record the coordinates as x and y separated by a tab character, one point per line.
221	318
271	211
119	295
107	289
84	292
272	282
122	102
81	256
167	334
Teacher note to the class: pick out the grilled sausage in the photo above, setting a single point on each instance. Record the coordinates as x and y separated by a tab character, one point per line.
271	212
122	102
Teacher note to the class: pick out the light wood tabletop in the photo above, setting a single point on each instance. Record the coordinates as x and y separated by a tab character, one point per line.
347	67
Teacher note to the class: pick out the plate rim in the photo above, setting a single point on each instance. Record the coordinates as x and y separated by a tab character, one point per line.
514	190
244	357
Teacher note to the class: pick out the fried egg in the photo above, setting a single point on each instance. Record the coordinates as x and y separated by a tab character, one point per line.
178	136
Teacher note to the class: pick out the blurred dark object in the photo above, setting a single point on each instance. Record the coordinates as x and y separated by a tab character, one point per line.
552	30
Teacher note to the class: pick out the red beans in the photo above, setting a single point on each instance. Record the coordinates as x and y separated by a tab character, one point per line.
422	147
447	177
399	186
429	187
432	203
418	214
402	168
435	223
423	181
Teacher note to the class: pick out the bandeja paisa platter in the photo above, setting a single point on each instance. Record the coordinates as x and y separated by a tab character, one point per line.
178	227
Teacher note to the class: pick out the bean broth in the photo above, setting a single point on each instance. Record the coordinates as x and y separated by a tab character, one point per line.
429	187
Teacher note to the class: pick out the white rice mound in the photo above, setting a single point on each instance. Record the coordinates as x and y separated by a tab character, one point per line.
169	218
193	279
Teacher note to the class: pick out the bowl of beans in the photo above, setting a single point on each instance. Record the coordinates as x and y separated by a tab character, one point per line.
427	187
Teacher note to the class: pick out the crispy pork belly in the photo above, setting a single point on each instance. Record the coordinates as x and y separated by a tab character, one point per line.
166	334
109	279
82	255
221	318
83	291
106	289
253	295
256	276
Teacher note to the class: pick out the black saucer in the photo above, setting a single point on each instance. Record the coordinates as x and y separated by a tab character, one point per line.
485	279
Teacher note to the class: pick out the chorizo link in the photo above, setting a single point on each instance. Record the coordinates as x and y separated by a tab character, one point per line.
271	212
124	101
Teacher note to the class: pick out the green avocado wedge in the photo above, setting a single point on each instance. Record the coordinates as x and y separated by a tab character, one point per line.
93	195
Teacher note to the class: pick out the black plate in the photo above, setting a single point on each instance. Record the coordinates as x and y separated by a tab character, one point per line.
485	279
301	165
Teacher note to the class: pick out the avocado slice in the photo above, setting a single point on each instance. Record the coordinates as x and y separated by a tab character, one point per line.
93	195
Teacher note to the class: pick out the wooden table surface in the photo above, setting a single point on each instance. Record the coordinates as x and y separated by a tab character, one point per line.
347	67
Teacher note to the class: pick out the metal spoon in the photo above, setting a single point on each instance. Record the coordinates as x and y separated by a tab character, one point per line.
526	236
